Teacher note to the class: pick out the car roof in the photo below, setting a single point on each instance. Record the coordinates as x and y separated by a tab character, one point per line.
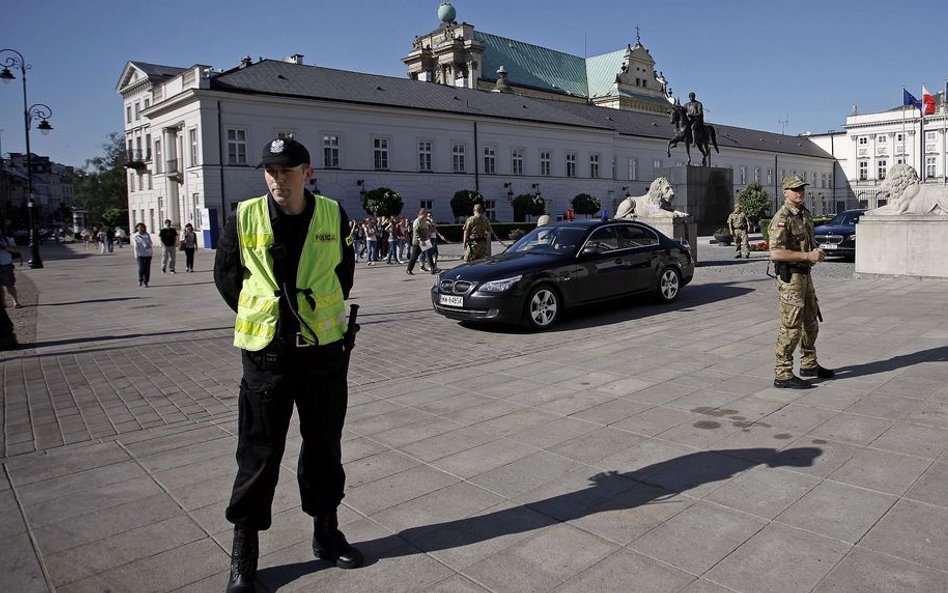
588	223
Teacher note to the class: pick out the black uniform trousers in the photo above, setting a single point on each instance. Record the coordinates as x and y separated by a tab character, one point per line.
314	378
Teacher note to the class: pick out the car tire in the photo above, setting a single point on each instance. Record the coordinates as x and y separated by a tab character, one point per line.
542	308
668	286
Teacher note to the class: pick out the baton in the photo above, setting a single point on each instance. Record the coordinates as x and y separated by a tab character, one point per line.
348	340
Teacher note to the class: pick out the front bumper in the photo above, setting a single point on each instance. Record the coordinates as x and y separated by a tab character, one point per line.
503	307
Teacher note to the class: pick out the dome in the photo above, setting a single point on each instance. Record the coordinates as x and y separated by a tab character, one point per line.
446	12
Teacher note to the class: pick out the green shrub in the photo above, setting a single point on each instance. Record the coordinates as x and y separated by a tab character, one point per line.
382	201
586	204
462	204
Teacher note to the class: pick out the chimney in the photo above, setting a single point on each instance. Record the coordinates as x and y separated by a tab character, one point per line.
245	61
295	59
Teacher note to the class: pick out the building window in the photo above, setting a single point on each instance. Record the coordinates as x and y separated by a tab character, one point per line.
756	174
863	170
147	103
148	177
882	139
656	164
159	162
131	181
546	167
880	169
571	164
929	136
743	175
516	161
594	166
147	147
899	137
863	140
823	180
930	162
770	176
490	209
380	154
236	146
457	157
424	156
490	159
138	111
426	204
193	141
128	114
330	151
633	170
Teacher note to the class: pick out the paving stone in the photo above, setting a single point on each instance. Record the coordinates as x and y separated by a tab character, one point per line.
699	537
932	486
881	471
913	531
627	571
73	506
19	566
868	572
525	474
839	511
779	559
764	491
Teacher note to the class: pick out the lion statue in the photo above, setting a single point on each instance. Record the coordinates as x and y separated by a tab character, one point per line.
656	203
907	195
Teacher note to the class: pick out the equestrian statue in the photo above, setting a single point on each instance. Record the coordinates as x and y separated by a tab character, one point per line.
690	128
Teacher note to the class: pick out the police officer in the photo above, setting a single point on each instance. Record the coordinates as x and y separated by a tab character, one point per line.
477	235
793	251
285	264
739	225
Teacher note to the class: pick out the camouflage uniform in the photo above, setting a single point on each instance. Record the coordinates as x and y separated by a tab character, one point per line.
739	225
478	231
792	228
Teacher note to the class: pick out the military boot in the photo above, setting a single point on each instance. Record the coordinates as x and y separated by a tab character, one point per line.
243	562
330	544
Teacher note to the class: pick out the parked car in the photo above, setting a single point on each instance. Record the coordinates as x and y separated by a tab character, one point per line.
561	265
838	236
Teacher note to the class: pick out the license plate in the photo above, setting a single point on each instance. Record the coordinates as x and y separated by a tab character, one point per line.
451	301
828	246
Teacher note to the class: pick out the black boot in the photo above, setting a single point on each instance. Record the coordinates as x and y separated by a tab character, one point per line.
243	561
330	544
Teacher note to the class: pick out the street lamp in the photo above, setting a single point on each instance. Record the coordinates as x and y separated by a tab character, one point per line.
37	111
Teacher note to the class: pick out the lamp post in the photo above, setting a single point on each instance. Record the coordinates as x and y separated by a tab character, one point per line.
30	112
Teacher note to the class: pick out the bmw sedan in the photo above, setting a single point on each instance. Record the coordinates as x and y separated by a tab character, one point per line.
838	236
561	265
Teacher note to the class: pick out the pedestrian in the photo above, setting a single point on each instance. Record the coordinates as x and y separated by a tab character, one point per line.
420	243
793	251
433	236
371	240
100	239
358	238
7	276
109	238
169	243
189	242
120	236
476	235
292	352
391	233
143	251
739	225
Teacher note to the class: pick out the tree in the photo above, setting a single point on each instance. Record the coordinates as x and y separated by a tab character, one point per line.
462	204
382	201
103	184
586	204
528	204
754	201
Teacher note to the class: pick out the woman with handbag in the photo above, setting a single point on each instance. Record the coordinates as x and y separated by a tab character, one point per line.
189	244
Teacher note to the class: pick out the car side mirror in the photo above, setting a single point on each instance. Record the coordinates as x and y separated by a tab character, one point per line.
591	250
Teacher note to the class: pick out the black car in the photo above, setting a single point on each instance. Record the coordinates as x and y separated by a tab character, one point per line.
561	265
838	236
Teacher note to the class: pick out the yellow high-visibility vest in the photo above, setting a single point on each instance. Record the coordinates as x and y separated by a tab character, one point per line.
319	297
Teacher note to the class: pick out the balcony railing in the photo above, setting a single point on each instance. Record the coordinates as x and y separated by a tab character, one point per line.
136	158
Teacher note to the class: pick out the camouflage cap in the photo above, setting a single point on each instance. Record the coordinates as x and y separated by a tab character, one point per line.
793	182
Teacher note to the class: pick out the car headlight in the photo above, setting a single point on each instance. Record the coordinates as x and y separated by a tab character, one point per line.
500	285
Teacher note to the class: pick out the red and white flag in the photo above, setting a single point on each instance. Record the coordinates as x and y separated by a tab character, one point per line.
928	102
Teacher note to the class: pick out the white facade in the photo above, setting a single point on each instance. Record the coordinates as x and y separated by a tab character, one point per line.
198	146
873	143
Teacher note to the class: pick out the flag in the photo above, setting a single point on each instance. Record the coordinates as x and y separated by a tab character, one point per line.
929	101
909	99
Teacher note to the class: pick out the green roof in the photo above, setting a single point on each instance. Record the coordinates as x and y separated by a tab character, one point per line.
601	72
533	66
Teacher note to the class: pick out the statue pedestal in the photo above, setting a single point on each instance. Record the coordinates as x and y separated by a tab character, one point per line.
682	228
906	245
706	193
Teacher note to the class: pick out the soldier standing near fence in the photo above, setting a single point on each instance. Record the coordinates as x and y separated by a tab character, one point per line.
477	235
739	225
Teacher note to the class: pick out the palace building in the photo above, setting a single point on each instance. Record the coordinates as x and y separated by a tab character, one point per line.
477	111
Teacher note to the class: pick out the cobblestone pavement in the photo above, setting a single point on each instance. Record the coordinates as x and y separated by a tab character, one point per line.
633	447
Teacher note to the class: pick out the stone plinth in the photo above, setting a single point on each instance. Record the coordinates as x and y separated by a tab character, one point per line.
706	193
911	245
682	228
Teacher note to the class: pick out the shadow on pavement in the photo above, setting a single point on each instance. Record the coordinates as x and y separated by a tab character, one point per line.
120	337
112	300
939	354
608	491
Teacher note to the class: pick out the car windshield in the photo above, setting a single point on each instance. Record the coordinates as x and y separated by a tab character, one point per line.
550	239
848	218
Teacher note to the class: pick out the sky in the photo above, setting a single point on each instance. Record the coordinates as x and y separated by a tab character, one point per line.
787	67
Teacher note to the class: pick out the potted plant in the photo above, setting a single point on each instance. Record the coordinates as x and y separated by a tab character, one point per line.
723	236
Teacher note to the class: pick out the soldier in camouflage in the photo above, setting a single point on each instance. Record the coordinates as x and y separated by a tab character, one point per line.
793	251
477	235
739	225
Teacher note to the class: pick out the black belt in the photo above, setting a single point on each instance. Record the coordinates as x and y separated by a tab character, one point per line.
805	270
